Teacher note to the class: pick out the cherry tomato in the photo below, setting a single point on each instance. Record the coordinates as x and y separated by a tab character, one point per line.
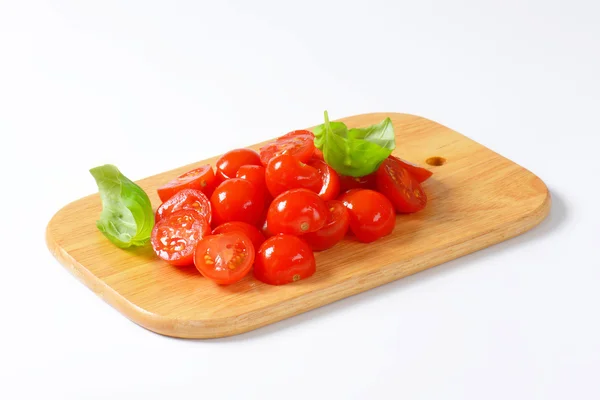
419	173
296	211
256	175
174	238
265	229
285	172
202	179
236	200
371	214
251	231
318	155
400	187
229	163
299	144
224	258
350	182
336	227
185	199
283	259
330	180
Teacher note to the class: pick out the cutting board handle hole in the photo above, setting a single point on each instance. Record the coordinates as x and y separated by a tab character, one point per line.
436	161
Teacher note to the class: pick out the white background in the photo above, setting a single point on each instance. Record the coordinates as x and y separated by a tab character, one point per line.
150	86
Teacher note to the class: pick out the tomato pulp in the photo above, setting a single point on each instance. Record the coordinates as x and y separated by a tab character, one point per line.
330	180
400	187
224	258
202	178
186	199
299	144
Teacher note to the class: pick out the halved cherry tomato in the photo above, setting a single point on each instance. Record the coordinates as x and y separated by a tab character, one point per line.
236	200
318	155
284	172
174	238
224	258
336	227
419	173
186	199
229	163
330	180
363	182
256	175
296	211
251	231
202	179
400	187
299	144
371	214
283	259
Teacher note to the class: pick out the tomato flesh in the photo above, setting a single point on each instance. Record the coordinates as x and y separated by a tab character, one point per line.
419	173
202	178
229	163
255	236
299	144
334	230
330	180
236	200
186	199
296	212
284	172
174	238
225	258
284	259
371	214
400	187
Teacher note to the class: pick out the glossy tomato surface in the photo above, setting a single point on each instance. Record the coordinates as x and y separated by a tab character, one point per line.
224	258
229	163
283	259
237	200
256	175
350	182
419	173
174	238
330	180
255	236
336	227
299	144
371	214
284	172
296	211
400	187
202	179
186	199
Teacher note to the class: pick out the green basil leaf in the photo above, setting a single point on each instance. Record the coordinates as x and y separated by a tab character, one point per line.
127	218
358	151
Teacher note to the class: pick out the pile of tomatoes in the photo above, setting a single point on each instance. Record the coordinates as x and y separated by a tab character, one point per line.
271	209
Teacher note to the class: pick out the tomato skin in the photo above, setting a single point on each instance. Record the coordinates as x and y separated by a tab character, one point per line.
318	155
371	214
264	228
350	182
229	163
255	236
296	211
330	180
256	175
202	178
186	199
400	187
419	173
225	258
336	227
284	172
174	238
284	259
236	200
299	144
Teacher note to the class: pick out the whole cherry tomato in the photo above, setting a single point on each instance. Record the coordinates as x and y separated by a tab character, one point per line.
330	180
256	175
284	172
251	231
224	258
174	238
400	187
202	178
336	227
283	259
185	199
371	214
236	200
229	163
299	144
351	182
264	228
296	211
419	173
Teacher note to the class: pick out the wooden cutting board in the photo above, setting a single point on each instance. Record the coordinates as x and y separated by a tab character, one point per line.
476	198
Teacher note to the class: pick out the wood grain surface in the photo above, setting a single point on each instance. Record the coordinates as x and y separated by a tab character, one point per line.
476	198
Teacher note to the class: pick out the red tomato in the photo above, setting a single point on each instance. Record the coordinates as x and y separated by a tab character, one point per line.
185	199
371	214
330	180
334	230
229	163
251	231
224	258
284	172
350	182
318	155
296	211
256	175
299	144
174	238
419	173
202	179
265	229
400	187
236	200
283	259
